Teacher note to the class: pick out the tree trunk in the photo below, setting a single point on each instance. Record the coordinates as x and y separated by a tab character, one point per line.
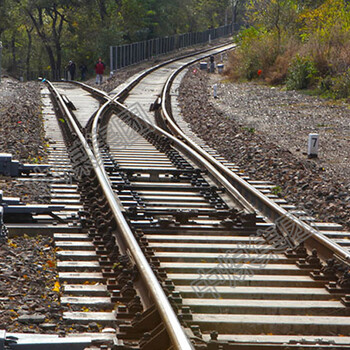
38	25
102	9
29	51
58	61
234	13
13	53
51	59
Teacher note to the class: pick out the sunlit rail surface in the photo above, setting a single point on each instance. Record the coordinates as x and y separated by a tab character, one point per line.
179	249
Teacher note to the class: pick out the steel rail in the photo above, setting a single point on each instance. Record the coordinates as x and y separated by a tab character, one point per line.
176	333
272	210
193	153
121	94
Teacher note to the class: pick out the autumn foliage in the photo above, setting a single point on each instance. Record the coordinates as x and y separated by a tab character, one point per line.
304	44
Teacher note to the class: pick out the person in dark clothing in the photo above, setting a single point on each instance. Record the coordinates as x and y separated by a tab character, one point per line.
83	71
212	64
99	69
71	70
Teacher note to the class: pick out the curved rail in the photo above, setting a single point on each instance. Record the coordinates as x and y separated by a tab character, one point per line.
121	94
233	184
171	322
215	173
265	205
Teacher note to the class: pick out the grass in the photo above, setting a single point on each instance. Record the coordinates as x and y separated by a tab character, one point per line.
276	190
250	130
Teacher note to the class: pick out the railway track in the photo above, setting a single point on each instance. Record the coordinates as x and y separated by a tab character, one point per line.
178	250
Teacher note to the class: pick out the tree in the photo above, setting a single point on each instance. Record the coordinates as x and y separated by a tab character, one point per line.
236	6
133	13
274	15
47	33
4	23
48	19
211	13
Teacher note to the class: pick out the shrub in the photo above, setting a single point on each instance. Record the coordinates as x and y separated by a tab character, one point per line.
257	50
277	73
301	73
336	87
341	85
326	84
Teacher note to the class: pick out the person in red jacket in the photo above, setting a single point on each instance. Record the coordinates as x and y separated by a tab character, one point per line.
99	69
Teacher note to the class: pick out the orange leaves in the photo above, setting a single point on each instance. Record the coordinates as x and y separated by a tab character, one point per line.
51	263
11	244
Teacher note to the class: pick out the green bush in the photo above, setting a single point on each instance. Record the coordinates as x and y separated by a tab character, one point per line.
257	50
341	85
326	84
301	73
336	87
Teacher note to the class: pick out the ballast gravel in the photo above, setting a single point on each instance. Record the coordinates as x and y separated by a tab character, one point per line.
21	128
22	135
264	130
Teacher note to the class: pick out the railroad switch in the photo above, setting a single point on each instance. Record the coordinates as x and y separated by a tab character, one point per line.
346	300
128	290
176	297
155	105
16	211
13	168
298	252
157	339
196	331
185	314
141	323
342	285
327	272
68	103
135	306
168	285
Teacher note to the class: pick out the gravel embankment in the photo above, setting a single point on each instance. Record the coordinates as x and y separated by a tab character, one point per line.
29	291
22	135
27	282
27	265
264	130
29	294
21	129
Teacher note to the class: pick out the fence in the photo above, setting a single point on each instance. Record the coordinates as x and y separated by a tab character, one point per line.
126	55
0	58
